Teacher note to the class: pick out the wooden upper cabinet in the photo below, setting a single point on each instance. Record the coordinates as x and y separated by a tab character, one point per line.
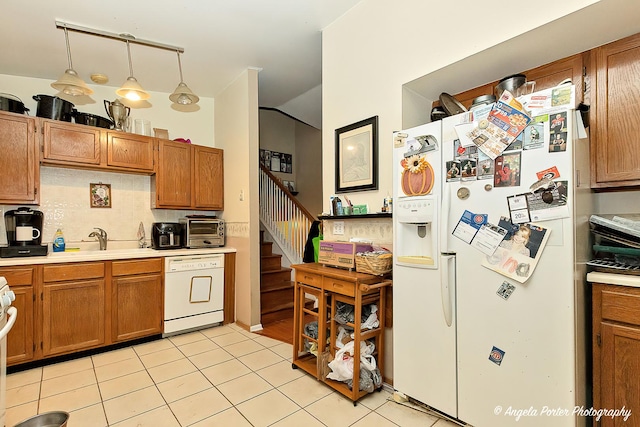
546	76
19	161
70	143
208	178
550	75
129	151
88	147
616	129
171	185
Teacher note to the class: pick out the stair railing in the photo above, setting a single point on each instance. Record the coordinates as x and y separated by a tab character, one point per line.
283	216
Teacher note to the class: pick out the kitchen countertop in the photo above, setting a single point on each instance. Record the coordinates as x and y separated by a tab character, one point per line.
614	279
109	254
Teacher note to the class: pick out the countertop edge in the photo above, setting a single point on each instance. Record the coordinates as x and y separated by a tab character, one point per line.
109	255
614	279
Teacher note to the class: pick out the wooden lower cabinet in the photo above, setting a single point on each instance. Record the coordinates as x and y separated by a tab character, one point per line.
20	340
69	307
136	299
616	352
73	307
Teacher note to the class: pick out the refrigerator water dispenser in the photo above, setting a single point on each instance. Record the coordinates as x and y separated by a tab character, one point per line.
417	232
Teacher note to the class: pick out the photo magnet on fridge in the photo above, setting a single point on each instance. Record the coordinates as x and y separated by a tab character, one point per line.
520	251
505	290
496	355
536	133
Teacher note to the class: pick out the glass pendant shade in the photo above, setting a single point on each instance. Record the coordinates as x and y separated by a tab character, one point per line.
131	89
183	95
70	83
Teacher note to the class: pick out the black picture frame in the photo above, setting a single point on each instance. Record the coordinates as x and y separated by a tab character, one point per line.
357	156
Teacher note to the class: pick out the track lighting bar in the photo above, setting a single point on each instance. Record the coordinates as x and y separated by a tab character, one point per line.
121	37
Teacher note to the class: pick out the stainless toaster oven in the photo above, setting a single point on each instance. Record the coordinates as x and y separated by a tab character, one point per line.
202	232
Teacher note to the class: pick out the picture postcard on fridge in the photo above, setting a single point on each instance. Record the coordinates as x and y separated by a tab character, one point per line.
520	251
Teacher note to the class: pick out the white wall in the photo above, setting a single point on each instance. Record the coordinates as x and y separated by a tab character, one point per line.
279	132
195	125
236	124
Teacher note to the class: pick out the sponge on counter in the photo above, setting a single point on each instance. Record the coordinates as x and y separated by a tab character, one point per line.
72	249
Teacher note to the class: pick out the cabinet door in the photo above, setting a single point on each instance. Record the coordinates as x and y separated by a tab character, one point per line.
73	316
20	345
620	372
137	306
550	75
126	150
617	116
20	340
208	178
172	180
70	143
19	163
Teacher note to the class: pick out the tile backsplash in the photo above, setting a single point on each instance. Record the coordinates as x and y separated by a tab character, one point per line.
65	204
376	230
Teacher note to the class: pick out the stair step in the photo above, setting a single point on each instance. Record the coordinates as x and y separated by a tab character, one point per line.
276	299
274	277
266	248
283	312
285	284
270	262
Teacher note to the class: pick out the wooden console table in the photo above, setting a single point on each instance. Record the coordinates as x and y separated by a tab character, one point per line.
331	285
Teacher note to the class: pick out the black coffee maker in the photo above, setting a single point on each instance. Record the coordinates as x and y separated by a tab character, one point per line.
24	233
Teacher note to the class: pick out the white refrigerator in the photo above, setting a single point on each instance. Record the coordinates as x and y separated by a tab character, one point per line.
484	332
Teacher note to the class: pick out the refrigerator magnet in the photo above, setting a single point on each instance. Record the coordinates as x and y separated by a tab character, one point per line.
496	355
505	290
518	209
488	238
550	173
468	226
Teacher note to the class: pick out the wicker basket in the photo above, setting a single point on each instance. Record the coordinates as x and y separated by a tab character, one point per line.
377	264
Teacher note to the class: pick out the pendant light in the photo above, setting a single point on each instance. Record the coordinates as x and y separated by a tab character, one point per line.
183	95
131	89
69	83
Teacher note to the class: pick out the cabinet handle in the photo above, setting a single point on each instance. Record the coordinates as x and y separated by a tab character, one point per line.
337	285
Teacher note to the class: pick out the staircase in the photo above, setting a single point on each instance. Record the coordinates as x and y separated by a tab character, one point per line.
288	224
276	287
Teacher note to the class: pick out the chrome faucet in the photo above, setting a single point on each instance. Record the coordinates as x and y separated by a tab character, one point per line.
102	237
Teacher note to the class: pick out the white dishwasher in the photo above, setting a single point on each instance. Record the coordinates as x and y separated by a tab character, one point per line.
193	292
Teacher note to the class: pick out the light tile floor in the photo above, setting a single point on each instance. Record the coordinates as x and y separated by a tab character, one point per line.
222	376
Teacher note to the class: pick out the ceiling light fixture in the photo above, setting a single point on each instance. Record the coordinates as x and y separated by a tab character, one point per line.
131	89
70	83
183	95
